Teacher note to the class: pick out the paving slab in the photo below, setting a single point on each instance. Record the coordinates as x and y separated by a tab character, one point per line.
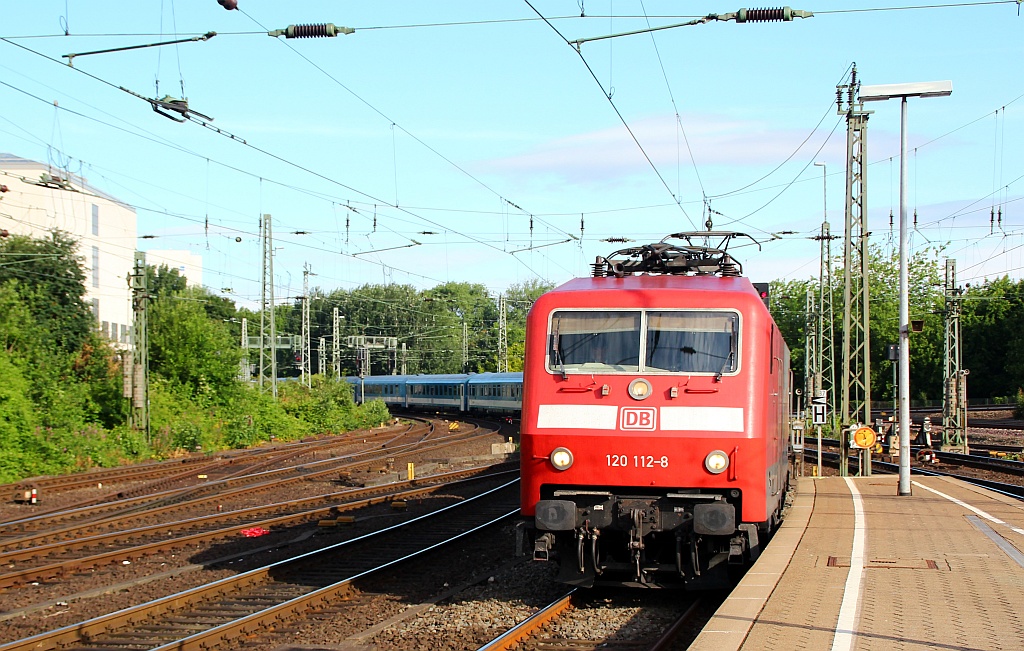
855	566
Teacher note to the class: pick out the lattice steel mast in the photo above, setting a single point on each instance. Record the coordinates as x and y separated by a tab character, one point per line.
307	369
502	335
954	377
826	380
856	380
336	346
812	374
268	328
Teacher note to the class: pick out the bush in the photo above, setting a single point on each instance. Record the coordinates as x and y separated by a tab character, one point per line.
1018	411
373	413
254	417
328	408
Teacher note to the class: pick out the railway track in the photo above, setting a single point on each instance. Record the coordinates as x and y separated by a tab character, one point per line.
59	544
56	560
56	526
159	480
221	465
585	622
1012	489
979	458
213	615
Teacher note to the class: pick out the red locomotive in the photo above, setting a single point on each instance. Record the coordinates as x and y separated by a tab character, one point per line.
655	419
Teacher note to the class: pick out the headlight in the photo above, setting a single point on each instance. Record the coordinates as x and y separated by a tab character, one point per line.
716	462
639	389
561	458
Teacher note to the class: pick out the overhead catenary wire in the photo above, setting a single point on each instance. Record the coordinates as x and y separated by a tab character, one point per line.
506	21
159	141
275	157
393	124
679	121
622	119
444	219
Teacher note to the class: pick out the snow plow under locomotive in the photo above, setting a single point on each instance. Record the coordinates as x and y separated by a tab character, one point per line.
655	419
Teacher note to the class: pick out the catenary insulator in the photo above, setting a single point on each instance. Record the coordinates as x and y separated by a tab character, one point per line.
320	30
770	15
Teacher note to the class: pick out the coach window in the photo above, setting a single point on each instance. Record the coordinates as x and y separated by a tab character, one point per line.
587	342
692	342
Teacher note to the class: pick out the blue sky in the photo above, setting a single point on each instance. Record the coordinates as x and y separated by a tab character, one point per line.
459	124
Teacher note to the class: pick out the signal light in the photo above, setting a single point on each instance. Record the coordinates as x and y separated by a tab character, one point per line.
762	291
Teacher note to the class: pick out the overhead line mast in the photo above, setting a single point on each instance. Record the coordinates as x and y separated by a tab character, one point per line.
954	377
268	329
856	381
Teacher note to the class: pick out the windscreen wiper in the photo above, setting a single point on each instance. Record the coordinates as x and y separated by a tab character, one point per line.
728	360
558	353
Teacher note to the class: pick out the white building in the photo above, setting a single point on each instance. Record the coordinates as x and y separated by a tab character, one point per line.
41	198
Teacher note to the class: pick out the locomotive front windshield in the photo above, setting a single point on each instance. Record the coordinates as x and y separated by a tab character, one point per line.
690	341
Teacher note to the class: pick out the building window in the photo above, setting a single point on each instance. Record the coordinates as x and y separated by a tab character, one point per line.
95	219
96	308
105	328
95	266
126	332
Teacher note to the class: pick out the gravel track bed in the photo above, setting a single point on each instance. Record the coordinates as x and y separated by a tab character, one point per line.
459	598
123	585
9	510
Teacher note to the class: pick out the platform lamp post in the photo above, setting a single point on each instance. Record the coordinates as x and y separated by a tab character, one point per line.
903	91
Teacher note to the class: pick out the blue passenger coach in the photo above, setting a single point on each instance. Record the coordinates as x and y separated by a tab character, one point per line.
437	391
500	393
389	388
482	393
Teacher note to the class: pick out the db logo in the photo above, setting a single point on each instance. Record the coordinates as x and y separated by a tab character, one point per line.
645	418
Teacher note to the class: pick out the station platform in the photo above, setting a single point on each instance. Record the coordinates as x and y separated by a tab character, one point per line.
857	567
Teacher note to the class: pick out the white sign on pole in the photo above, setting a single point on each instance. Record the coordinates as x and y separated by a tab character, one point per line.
819	406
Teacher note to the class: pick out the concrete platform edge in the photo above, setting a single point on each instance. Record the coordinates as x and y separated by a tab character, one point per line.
728	628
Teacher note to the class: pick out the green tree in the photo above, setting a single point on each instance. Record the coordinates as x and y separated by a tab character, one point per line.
519	298
788	302
164	281
431	332
926	304
19	447
193	352
993	341
51	282
788	306
471	305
